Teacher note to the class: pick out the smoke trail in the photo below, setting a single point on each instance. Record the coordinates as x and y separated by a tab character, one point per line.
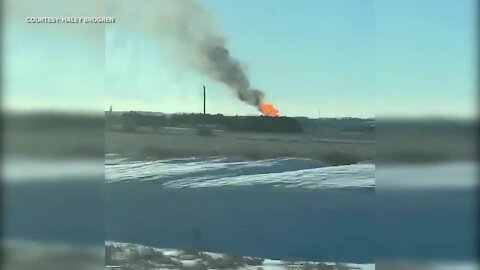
189	24
224	68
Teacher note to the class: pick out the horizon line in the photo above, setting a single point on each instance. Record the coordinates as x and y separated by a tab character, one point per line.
297	116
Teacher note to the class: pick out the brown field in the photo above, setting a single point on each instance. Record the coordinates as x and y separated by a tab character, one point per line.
178	142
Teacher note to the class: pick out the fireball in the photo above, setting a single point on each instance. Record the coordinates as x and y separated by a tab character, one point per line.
268	109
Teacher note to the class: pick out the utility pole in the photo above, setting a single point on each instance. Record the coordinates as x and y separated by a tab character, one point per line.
204	100
203	129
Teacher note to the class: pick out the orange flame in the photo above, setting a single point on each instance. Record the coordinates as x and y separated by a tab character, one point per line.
268	109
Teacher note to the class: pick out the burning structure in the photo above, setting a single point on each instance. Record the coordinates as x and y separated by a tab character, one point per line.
268	109
265	108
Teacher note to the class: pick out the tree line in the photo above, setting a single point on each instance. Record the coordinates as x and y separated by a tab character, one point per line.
132	120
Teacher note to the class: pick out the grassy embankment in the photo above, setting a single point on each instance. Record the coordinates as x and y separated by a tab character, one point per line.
185	143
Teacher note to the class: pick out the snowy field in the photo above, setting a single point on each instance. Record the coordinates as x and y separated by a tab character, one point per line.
218	172
134	256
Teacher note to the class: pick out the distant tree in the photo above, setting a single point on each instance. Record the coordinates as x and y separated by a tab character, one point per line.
129	121
263	124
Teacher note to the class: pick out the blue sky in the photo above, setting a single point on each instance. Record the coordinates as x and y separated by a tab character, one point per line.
310	58
57	67
330	58
425	58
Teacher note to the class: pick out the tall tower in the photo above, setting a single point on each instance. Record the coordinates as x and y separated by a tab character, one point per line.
204	100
